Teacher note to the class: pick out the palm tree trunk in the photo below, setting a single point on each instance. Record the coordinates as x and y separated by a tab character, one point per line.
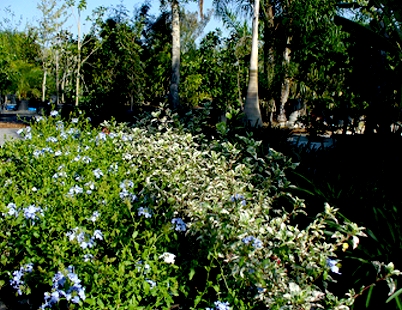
174	83
285	89
252	107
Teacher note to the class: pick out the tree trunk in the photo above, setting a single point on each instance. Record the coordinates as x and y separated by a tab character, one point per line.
174	83
285	89
269	58
57	69
78	76
252	107
44	84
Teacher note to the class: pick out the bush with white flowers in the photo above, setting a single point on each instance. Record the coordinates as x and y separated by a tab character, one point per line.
152	217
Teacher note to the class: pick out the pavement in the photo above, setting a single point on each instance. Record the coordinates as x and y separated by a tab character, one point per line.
8	134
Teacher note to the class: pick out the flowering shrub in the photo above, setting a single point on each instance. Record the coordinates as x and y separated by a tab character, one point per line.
152	217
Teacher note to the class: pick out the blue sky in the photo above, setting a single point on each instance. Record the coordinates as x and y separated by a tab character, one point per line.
28	12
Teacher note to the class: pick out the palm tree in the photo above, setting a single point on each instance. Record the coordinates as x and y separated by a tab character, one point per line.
175	80
252	106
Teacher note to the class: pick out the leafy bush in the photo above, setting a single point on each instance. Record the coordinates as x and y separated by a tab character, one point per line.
153	217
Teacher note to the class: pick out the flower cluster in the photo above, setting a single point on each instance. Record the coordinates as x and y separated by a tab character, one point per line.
25	132
73	292
30	213
84	239
94	216
16	282
180	225
145	212
98	173
257	243
52	139
220	306
238	197
124	193
75	190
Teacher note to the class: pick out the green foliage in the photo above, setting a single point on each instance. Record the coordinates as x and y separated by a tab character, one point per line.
111	205
19	72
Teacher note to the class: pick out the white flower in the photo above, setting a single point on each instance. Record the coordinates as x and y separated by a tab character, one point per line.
74	120
51	139
86	159
54	113
12	209
97	173
98	234
88	257
151	283
94	216
58	153
168	257
75	190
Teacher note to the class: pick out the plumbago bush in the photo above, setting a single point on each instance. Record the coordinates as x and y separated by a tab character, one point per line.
153	217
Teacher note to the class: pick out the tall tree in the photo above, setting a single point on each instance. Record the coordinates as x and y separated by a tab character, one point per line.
175	79
77	9
52	19
252	106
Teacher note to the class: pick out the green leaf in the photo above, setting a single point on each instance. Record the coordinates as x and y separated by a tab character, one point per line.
394	295
100	303
90	301
192	273
369	296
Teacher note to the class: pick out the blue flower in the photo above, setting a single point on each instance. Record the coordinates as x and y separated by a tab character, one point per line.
17	281
31	212
58	291
257	243
221	305
238	197
180	224
54	113
84	240
145	212
331	263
